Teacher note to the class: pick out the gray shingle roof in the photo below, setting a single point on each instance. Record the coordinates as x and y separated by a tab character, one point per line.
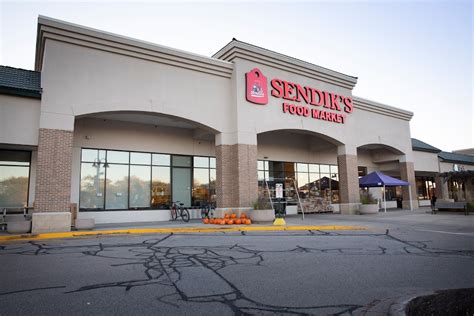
20	82
418	145
456	158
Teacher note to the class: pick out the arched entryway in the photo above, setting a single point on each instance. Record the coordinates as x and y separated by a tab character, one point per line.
305	164
127	166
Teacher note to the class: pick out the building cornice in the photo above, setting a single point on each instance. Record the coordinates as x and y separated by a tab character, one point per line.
379	108
57	30
237	49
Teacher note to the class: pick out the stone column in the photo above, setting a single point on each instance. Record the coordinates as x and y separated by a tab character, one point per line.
348	180
236	182
441	188
407	173
53	175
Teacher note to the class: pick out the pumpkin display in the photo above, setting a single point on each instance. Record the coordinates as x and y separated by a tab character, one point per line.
238	221
230	222
233	215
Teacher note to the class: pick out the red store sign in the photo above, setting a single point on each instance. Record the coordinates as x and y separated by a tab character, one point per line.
317	102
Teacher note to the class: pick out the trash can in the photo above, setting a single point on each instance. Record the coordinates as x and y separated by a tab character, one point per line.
280	207
399	202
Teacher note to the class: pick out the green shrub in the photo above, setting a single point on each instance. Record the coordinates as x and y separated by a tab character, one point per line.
367	198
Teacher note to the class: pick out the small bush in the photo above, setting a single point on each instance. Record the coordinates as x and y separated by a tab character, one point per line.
367	198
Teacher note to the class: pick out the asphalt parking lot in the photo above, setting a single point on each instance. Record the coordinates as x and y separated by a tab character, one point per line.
306	272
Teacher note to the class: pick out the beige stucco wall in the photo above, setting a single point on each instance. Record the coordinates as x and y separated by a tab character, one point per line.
295	147
19	120
361	127
108	134
79	80
448	166
424	161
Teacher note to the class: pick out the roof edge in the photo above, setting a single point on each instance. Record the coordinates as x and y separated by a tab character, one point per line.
233	47
45	21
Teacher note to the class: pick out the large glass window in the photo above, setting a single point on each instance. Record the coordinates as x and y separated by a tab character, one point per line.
140	181
92	186
204	181
161	187
116	191
312	180
116	180
14	177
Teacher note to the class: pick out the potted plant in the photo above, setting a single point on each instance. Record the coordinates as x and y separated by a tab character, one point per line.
369	205
262	211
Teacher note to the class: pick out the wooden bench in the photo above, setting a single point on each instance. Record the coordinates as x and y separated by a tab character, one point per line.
443	205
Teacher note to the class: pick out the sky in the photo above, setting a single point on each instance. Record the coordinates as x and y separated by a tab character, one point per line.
414	55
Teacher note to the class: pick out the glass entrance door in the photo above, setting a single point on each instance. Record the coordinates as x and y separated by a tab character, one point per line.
181	185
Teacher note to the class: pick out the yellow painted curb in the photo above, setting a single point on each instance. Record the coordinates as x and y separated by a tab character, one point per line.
139	231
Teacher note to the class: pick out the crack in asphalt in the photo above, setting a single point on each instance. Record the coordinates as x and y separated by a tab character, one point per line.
165	265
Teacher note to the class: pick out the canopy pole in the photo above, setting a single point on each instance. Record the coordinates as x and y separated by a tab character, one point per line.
384	200
409	194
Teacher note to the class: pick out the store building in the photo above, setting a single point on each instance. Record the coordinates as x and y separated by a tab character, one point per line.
121	127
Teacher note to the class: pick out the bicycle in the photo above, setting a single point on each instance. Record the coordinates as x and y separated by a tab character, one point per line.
207	210
179	211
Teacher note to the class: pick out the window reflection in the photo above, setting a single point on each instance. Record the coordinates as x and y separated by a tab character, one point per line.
14	177
161	187
114	180
200	187
117	187
92	186
140	180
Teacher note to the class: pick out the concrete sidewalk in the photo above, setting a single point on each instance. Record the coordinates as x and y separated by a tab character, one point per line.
193	226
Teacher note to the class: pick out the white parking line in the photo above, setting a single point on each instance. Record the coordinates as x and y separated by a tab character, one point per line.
442	232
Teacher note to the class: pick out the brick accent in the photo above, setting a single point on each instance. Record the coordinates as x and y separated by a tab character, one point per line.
348	183
53	175
407	173
236	182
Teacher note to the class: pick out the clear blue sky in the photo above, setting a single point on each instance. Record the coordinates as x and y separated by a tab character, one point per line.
416	55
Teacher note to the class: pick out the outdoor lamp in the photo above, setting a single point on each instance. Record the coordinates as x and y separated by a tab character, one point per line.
97	163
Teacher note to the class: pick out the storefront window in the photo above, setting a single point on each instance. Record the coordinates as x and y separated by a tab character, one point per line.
140	181
161	187
425	187
116	180
204	181
116	193
14	177
92	186
307	178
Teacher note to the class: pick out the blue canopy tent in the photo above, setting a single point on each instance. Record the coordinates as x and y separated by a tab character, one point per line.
378	179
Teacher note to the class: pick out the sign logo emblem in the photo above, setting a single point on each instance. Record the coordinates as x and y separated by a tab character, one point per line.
257	90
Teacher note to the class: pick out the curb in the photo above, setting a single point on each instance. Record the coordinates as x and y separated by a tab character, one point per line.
139	231
398	307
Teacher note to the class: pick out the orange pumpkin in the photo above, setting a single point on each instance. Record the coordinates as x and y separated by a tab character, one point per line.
205	221
248	222
233	215
230	222
238	221
226	216
211	221
226	220
243	216
222	222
